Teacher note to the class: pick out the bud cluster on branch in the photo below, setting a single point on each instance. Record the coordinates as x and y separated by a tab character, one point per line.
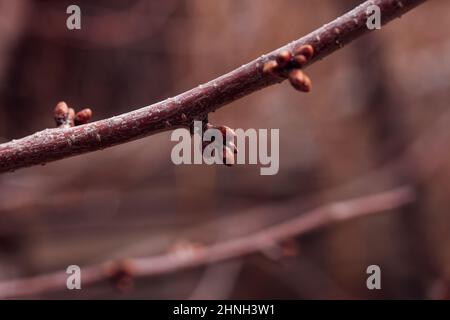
284	63
290	65
66	117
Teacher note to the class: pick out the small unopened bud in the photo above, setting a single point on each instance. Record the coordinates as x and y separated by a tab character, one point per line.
271	67
83	116
300	81
61	113
64	116
306	50
283	58
300	60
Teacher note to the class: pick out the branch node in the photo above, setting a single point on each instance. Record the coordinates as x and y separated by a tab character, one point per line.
228	148
284	58
66	117
302	55
287	65
271	68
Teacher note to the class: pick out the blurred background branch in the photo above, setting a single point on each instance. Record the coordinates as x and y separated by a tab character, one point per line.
269	241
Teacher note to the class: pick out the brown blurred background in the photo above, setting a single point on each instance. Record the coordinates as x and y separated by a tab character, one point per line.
377	118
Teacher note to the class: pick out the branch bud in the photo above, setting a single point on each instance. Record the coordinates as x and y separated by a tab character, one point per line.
306	50
283	58
83	116
61	113
300	81
271	67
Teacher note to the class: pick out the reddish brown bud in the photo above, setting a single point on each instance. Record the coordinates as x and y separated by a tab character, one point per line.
283	58
306	50
300	60
64	116
300	81
271	67
61	113
83	116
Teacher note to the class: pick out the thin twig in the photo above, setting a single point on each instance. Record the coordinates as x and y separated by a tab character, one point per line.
203	255
54	144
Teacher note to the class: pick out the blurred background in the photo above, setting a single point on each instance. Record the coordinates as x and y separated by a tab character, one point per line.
377	118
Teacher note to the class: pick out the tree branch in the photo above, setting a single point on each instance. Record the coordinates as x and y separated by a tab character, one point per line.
54	144
172	262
